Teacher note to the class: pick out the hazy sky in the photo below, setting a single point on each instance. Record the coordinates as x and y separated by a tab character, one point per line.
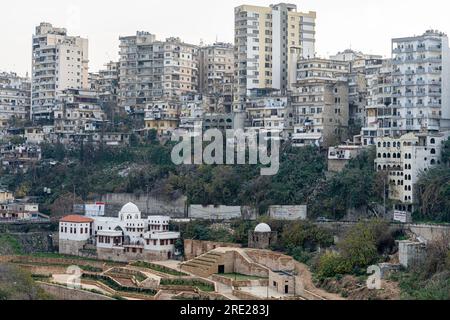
366	25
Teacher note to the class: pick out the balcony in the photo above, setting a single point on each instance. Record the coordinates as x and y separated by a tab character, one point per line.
420	71
435	48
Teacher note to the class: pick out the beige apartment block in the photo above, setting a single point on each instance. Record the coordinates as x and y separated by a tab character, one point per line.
151	70
216	75
320	103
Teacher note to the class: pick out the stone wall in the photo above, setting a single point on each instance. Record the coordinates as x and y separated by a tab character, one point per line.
63	293
279	282
430	233
32	242
196	248
156	206
291	213
243	266
262	240
71	248
272	260
118	255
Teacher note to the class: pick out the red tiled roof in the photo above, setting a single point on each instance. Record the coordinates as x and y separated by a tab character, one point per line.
76	219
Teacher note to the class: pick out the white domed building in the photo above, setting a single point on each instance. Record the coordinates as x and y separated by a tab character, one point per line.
262	237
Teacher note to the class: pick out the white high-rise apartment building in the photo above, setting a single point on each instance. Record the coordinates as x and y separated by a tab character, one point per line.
268	43
60	62
421	82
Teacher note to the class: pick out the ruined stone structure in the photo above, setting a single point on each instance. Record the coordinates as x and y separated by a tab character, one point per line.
196	248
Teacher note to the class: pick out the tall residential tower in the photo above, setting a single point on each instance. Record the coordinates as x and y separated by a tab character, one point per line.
269	41
60	62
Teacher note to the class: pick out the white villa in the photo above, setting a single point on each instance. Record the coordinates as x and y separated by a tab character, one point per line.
125	238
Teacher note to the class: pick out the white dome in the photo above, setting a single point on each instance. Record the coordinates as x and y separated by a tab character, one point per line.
263	228
131	209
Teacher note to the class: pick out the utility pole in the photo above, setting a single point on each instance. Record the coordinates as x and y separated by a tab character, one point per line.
384	196
148	195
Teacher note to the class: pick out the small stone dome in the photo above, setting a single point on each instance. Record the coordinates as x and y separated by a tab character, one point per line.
263	228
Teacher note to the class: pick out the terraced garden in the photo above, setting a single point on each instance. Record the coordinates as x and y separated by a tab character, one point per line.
158	268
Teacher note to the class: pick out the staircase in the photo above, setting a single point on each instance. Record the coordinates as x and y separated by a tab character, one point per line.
205	265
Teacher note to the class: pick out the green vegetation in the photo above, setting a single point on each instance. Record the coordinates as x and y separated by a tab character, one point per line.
50	255
17	284
240	277
365	244
117	287
433	191
301	180
9	245
357	186
202	285
415	287
431	280
158	268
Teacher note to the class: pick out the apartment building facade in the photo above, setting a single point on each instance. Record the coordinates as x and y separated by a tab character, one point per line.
77	112
381	114
320	103
421	82
162	116
15	99
361	67
268	43
404	159
216	75
152	70
270	112
59	62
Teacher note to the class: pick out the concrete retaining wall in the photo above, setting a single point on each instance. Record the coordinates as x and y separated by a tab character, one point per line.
148	205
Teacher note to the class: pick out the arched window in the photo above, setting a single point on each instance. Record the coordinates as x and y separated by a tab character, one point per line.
433	151
433	141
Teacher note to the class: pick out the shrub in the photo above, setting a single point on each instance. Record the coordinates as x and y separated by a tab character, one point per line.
202	285
331	264
158	268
